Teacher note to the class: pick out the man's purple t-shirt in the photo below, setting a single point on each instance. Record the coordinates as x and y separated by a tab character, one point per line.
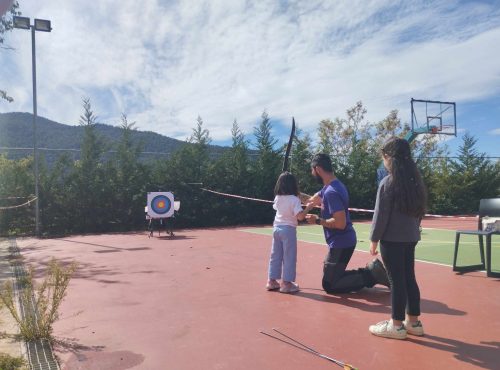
335	198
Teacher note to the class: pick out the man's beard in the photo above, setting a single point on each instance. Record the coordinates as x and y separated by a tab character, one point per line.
318	179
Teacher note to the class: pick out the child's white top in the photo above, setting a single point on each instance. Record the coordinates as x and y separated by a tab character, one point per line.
287	207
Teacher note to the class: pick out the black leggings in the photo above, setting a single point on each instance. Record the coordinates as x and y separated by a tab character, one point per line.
399	261
335	277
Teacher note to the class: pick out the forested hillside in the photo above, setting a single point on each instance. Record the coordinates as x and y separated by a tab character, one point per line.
16	131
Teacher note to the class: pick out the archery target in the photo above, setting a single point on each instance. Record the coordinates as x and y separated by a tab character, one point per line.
160	204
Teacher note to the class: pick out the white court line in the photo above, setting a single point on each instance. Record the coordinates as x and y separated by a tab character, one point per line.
420	242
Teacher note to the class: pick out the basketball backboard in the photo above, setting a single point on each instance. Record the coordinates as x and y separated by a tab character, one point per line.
433	117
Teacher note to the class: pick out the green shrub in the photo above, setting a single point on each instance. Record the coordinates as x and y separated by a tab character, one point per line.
8	362
41	302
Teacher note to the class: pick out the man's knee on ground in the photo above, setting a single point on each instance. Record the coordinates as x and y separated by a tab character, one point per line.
331	275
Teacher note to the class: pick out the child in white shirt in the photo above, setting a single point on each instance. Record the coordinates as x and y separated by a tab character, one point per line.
283	260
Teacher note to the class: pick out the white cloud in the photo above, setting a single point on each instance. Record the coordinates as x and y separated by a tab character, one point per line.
495	131
165	63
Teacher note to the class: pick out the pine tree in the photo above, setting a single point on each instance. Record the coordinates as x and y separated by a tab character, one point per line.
90	193
301	155
131	175
473	177
266	168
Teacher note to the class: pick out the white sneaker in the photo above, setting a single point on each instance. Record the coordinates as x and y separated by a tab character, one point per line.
414	328
272	285
387	329
289	287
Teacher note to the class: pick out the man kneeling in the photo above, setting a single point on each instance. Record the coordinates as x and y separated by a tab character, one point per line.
339	234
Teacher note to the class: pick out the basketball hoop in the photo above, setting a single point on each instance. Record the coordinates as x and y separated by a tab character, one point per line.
432	117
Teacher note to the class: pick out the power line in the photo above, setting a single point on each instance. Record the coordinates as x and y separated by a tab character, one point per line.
213	154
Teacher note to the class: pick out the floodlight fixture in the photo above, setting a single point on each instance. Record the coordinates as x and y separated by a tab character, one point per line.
42	25
21	22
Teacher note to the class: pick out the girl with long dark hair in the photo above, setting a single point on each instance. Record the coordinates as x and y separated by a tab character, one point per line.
283	260
399	208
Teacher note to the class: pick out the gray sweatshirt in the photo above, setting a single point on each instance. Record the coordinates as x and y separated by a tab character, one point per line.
388	223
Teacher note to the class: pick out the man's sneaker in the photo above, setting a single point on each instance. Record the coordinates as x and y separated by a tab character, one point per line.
289	287
272	285
387	329
414	328
378	272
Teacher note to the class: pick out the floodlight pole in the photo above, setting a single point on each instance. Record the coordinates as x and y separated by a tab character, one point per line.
39	25
35	137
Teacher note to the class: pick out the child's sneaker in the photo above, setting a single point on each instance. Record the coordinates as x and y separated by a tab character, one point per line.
272	285
414	328
387	329
289	287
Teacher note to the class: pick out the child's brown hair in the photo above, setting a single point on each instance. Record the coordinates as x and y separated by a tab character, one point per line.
286	185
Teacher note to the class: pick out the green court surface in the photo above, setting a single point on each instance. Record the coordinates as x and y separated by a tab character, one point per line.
436	245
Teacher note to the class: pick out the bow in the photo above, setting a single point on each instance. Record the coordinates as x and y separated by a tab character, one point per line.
289	147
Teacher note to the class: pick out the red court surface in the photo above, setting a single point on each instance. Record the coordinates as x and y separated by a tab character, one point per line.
450	223
197	301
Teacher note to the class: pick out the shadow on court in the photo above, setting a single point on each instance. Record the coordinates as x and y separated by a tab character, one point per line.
374	300
485	355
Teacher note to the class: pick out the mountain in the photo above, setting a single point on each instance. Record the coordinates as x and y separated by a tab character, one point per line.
16	133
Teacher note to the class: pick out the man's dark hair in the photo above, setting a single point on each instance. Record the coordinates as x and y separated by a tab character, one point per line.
322	160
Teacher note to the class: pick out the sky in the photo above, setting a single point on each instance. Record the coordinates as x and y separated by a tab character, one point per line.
164	63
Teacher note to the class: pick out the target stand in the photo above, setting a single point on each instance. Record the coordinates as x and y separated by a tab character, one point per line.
160	212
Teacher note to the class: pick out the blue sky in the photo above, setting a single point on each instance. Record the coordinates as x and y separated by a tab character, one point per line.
163	63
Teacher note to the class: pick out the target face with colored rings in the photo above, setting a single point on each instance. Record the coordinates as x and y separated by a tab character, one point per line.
160	204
